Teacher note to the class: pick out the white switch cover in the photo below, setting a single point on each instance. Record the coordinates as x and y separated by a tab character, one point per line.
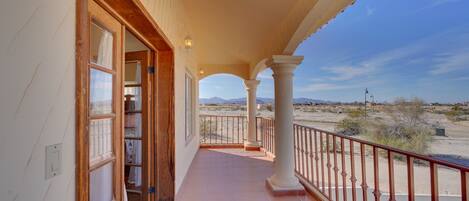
53	160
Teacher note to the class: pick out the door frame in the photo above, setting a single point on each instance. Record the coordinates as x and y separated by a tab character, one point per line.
135	18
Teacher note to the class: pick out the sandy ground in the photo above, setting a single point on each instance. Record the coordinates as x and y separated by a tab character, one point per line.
454	147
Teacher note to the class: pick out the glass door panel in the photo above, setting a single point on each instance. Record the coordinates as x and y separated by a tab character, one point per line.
101	47
101	183
100	92
104	132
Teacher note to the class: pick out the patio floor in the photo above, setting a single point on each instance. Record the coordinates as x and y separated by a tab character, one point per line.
230	175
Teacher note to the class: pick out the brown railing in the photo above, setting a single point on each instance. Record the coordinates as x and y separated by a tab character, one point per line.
265	130
345	168
222	130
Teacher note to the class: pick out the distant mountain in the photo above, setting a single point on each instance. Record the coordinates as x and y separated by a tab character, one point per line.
260	100
213	100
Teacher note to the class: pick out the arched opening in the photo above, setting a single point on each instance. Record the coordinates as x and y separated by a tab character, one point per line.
222	110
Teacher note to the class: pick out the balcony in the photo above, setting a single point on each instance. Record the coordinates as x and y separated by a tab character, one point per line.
330	166
231	175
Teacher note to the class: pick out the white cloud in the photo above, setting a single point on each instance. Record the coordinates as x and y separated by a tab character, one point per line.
265	75
441	2
372	64
461	78
370	11
449	62
323	87
348	72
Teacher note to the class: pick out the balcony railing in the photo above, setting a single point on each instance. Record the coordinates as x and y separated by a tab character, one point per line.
340	167
222	130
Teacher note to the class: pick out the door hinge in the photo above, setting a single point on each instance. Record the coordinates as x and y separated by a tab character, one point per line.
151	69
152	189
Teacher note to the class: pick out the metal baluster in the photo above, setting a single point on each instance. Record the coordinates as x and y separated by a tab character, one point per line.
210	134
376	192
336	168
322	162
329	183
392	194
295	146
353	179
344	170
464	187
434	180
316	158
301	135
410	178
307	153
363	166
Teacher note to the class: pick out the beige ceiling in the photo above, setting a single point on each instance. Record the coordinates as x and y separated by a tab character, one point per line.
240	33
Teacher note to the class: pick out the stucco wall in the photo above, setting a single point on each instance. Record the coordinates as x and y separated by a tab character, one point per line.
170	17
37	87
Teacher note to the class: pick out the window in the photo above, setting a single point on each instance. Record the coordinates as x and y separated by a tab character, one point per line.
189	107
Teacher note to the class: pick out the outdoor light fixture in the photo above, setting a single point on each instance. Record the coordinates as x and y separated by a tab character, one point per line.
201	72
188	42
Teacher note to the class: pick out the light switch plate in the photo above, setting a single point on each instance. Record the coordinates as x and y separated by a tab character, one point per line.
53	160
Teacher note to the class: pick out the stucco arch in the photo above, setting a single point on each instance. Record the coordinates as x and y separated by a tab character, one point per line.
222	73
238	70
259	67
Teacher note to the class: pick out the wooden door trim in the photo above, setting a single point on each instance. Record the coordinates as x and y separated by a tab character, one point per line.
132	14
147	131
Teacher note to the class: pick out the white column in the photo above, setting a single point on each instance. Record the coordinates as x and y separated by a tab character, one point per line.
284	178
251	88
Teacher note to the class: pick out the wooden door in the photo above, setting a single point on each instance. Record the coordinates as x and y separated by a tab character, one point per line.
105	136
139	166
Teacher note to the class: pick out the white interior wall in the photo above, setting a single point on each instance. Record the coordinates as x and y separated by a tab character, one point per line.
37	87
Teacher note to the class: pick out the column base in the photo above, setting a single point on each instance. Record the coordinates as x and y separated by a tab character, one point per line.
297	190
251	146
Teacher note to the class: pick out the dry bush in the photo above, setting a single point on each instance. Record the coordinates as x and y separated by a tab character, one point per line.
407	129
457	113
350	126
269	108
205	126
354	124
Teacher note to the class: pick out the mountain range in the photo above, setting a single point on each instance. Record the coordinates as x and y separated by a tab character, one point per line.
260	100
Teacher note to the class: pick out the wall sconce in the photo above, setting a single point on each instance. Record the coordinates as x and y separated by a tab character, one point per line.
188	42
201	72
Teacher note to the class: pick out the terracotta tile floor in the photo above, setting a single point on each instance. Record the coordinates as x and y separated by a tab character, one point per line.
230	175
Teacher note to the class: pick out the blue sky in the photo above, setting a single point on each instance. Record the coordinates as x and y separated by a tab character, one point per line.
395	48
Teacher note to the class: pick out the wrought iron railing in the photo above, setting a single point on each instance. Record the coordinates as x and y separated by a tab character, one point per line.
345	168
222	130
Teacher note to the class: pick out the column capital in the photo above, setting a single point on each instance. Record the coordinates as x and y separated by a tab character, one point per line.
284	59
282	64
251	84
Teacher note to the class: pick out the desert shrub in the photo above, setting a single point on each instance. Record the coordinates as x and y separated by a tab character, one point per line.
413	139
353	124
350	126
269	108
457	113
205	126
356	113
406	130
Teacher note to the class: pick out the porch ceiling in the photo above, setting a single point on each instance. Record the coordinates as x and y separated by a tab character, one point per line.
239	34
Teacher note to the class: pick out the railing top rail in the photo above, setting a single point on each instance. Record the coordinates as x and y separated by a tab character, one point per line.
392	149
212	115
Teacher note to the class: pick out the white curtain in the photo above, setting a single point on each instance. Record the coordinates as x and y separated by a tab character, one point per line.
105	50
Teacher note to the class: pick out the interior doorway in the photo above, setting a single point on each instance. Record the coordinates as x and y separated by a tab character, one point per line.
138	135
